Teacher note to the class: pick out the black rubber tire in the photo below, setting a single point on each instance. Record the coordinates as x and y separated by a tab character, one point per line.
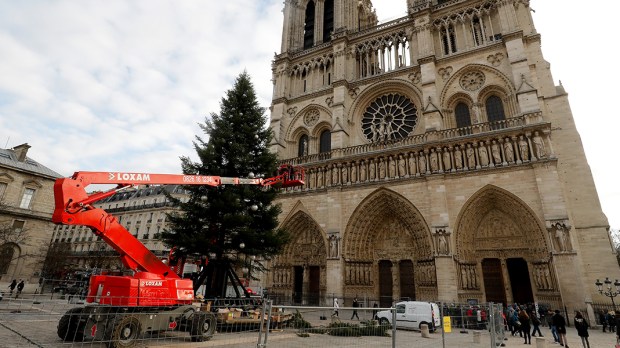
70	327
384	322
203	326
431	328
123	331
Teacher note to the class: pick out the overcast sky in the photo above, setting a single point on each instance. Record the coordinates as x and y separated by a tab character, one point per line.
121	84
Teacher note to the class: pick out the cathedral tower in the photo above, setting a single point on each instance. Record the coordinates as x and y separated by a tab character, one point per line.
442	161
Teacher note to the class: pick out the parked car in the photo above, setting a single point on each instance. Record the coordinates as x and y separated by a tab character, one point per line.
412	314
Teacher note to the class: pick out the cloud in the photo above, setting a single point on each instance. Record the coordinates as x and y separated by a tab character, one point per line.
123	85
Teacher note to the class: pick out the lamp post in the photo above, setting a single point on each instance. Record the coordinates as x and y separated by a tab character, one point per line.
607	291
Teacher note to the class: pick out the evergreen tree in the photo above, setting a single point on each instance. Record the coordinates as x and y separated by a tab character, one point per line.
228	221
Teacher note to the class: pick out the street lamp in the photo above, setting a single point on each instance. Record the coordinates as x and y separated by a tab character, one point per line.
607	291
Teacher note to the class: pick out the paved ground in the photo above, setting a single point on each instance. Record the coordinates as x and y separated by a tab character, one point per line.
32	323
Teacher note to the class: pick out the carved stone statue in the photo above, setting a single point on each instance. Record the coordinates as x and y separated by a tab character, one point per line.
381	168
471	157
443	244
354	172
422	162
363	171
412	164
458	158
508	151
333	246
304	146
496	152
345	173
447	165
484	155
539	146
561	234
402	171
524	149
433	160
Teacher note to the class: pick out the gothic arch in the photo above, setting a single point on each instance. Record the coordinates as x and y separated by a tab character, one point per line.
495	223
491	76
298	120
386	223
308	245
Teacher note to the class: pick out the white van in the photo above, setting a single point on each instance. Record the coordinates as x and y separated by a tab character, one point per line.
412	314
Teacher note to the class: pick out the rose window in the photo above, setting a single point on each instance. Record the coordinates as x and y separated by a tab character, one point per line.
389	117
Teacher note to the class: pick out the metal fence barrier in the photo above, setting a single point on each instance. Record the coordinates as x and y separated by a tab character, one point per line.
45	320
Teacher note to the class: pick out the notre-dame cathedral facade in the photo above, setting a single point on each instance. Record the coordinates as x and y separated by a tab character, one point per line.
442	162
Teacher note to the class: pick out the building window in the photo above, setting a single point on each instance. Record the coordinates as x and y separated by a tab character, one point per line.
27	198
2	189
448	40
495	109
328	20
389	117
326	141
309	26
478	31
463	118
302	148
18	226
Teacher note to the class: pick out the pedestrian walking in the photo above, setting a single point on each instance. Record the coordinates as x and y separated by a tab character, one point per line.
524	318
20	287
560	325
355	305
602	317
582	329
554	331
12	286
336	307
535	324
611	321
374	311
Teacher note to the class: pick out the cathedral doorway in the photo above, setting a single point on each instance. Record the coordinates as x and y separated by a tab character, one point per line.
298	286
298	273
385	284
407	284
493	281
498	240
388	251
314	289
520	280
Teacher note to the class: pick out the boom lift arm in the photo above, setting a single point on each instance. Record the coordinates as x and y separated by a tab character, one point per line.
73	206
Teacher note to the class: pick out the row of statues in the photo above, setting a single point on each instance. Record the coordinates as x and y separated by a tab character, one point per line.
469	277
462	157
542	277
358	273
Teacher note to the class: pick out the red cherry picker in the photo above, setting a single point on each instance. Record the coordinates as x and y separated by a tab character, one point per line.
121	308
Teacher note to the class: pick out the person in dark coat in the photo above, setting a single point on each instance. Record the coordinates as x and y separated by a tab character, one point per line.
602	317
582	329
524	318
12	286
356	304
560	325
536	324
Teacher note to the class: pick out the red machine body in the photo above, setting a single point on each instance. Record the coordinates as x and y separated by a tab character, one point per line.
154	283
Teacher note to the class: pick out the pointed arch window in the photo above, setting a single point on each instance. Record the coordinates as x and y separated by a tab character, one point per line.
477	31
326	141
309	26
448	39
462	115
302	147
495	109
328	20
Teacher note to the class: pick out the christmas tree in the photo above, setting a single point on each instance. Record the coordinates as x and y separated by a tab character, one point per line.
233	223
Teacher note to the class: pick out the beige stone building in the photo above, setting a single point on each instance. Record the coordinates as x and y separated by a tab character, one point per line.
442	162
26	206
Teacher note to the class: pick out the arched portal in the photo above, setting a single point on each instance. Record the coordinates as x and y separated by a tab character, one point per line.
502	254
387	250
299	271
